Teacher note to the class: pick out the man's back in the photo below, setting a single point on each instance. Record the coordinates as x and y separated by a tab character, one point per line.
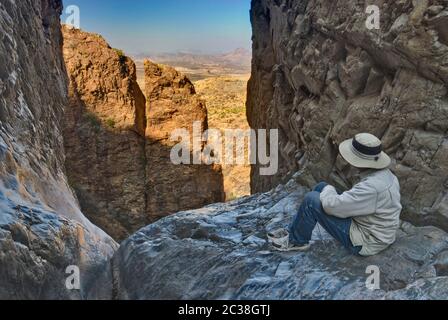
378	230
364	219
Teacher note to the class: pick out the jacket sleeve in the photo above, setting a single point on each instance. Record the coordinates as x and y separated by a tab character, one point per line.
360	200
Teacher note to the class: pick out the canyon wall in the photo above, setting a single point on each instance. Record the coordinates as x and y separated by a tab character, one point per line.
42	230
320	76
104	131
117	144
172	104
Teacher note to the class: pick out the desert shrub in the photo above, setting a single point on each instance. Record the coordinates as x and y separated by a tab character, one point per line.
121	55
93	120
232	196
110	123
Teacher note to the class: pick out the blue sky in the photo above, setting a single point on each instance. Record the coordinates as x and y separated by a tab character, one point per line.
141	26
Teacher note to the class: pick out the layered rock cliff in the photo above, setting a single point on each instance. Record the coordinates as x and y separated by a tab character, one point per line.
104	133
42	230
118	146
320	76
172	104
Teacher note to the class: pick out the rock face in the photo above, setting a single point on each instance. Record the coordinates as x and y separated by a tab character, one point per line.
104	133
221	252
320	76
172	104
118	149
42	230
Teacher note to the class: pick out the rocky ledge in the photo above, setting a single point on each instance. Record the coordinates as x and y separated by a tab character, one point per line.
38	248
221	252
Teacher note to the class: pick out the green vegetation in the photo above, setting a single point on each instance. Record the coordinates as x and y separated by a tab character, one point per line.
122	60
228	111
93	120
111	123
231	196
121	55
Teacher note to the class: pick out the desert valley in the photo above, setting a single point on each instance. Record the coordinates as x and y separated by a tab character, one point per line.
221	81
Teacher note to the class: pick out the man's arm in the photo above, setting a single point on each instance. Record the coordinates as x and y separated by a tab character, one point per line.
359	201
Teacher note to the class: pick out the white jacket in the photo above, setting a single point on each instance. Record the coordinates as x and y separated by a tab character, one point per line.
374	204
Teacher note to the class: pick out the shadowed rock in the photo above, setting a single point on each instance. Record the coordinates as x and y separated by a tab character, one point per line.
221	252
118	147
42	230
104	131
172	104
320	76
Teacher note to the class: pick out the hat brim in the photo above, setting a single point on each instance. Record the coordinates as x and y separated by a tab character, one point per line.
345	148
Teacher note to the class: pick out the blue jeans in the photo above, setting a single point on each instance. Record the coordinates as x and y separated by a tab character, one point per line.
310	213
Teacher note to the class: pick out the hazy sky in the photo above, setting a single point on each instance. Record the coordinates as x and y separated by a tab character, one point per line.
168	25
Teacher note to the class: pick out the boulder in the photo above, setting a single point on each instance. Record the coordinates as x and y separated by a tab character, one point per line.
221	252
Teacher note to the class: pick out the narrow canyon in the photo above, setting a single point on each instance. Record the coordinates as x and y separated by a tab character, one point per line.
85	158
117	141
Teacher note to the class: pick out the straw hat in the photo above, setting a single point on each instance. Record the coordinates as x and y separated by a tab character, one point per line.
365	151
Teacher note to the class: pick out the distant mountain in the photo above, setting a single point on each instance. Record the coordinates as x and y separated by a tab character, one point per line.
239	56
237	61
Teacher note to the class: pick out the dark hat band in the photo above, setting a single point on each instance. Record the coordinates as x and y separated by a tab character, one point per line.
369	151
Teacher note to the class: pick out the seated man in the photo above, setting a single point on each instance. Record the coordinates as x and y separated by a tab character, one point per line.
364	219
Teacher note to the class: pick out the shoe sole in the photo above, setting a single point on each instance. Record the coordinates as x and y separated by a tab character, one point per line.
292	249
278	236
276	241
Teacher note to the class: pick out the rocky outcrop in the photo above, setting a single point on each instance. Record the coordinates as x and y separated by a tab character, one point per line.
118	149
104	133
320	76
172	104
221	252
42	230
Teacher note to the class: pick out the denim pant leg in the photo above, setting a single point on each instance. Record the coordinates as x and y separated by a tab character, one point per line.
320	186
304	222
310	213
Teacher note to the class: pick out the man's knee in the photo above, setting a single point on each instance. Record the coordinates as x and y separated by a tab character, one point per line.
312	199
320	186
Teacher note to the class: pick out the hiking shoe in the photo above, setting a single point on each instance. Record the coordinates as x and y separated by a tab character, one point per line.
279	240
291	247
278	236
